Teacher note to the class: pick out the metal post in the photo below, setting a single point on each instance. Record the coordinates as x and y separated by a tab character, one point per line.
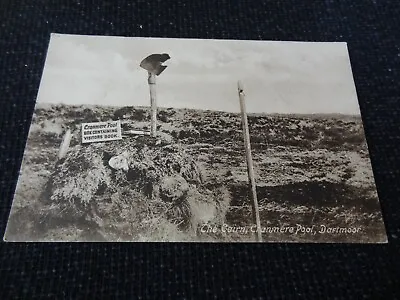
153	102
250	169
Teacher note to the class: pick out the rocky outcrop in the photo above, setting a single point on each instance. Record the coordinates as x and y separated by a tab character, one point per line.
101	182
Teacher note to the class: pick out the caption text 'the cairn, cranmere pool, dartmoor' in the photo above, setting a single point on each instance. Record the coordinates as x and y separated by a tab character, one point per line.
293	229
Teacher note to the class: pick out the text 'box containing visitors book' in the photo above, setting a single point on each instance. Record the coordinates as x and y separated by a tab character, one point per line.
101	131
155	139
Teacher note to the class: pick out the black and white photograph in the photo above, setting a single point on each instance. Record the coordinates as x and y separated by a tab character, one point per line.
187	140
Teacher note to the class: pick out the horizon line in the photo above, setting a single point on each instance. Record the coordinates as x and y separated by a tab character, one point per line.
199	109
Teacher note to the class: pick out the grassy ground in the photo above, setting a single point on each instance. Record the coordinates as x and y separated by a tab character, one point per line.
311	171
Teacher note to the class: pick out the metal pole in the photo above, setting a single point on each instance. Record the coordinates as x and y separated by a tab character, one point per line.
153	102
250	169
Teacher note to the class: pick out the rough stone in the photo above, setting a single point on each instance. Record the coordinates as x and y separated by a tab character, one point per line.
173	187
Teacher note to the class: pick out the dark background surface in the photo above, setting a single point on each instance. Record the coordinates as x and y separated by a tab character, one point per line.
80	270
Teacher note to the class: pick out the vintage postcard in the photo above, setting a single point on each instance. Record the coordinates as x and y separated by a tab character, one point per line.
161	140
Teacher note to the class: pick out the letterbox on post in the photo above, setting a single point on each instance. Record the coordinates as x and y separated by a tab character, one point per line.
153	65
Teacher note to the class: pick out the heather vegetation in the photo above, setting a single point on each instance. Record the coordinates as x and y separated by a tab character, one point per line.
311	169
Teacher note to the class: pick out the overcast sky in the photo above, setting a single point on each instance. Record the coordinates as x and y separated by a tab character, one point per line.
279	77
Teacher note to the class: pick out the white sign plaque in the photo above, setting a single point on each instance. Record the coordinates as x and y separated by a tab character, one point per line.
101	131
